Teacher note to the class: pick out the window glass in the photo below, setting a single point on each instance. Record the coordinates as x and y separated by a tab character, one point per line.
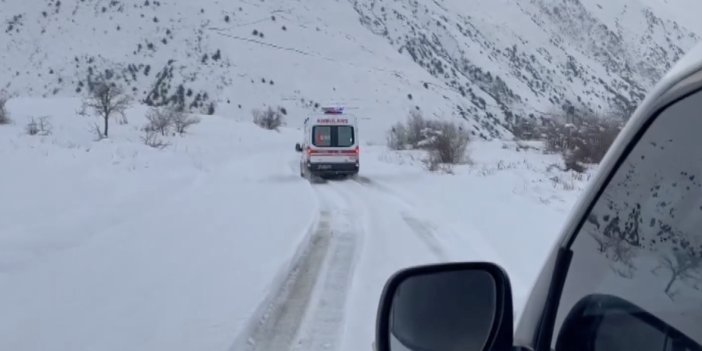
344	136
322	136
333	136
642	242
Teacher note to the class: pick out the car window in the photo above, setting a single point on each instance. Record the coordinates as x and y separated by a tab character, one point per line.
642	243
333	136
322	136
344	136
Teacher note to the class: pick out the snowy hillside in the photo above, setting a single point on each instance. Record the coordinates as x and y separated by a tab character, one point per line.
229	57
487	61
216	243
514	58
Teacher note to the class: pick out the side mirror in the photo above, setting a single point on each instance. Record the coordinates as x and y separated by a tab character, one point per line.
607	322
460	306
298	147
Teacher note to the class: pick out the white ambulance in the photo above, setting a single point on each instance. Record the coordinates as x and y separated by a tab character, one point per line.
330	146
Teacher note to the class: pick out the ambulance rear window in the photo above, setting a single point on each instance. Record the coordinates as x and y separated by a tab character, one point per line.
333	136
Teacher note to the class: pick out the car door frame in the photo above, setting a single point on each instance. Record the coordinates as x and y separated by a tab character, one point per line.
535	328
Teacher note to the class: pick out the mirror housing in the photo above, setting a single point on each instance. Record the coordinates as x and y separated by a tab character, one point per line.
298	147
465	306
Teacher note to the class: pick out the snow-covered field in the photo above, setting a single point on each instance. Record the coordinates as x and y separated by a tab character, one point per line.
216	243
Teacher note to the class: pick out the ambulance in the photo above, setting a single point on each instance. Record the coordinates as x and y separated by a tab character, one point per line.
330	145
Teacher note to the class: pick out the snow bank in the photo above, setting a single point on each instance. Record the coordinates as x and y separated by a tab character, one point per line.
112	245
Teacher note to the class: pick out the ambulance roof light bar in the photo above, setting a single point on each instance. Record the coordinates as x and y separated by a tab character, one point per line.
333	110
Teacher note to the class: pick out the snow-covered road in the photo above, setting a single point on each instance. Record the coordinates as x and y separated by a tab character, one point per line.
324	293
216	243
365	231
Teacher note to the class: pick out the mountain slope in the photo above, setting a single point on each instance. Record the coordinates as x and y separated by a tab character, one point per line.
537	57
489	62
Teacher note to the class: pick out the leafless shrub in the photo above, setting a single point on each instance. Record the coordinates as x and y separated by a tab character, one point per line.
268	119
409	134
159	120
108	100
445	142
4	115
43	127
581	142
416	126
152	139
32	127
397	137
181	121
433	164
525	129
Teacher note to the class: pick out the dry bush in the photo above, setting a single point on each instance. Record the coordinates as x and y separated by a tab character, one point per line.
181	121
584	141
32	128
4	115
416	127
397	137
159	120
446	142
268	119
151	138
408	135
43	127
525	129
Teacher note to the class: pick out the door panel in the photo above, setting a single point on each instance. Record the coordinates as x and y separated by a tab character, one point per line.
642	243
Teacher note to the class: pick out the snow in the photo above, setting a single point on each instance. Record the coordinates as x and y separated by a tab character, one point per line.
503	208
113	245
215	242
355	52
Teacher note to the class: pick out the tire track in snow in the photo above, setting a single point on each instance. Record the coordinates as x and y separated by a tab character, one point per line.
323	325
306	311
428	231
422	229
276	324
427	235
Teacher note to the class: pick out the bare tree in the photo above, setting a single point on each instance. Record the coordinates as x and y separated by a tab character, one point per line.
159	120
268	119
683	264
97	132
4	115
108	100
